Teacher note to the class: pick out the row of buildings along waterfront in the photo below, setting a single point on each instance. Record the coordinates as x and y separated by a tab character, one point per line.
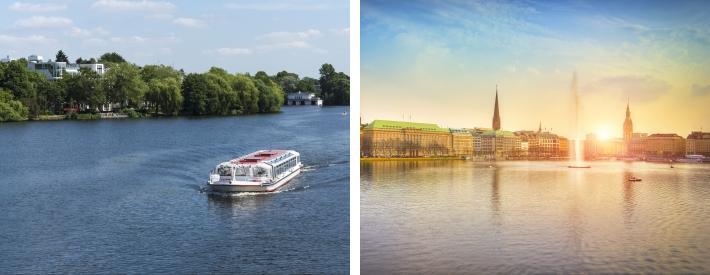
644	145
392	139
387	138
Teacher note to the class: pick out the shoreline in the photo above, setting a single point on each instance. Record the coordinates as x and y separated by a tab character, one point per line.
530	160
121	116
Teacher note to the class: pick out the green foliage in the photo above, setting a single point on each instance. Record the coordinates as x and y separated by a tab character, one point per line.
111	57
164	95
10	109
123	84
247	92
158	89
335	87
85	89
85	61
131	113
150	72
61	57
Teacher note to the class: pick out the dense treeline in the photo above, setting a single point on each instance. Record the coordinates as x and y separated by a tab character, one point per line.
156	90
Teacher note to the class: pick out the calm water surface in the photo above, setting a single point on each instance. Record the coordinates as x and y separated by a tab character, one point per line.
123	196
520	217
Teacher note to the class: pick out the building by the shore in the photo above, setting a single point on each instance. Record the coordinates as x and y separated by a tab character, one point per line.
388	138
698	143
301	98
664	145
54	70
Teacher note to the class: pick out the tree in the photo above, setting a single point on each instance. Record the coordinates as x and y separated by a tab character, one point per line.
111	57
248	93
287	81
164	95
308	85
123	84
10	109
270	94
61	57
85	89
150	72
194	92
335	87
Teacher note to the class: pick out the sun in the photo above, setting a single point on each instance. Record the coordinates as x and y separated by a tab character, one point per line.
603	134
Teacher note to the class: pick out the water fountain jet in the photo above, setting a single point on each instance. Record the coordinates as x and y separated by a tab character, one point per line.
578	158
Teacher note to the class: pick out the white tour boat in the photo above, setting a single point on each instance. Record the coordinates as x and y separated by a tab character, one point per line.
261	171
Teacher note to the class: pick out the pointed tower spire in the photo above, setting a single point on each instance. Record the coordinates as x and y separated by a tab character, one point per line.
628	113
539	127
496	115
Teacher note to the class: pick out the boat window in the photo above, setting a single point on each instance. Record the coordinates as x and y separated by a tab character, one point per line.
240	171
224	171
260	172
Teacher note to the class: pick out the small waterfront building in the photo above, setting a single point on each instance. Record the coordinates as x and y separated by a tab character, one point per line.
53	70
301	98
387	138
664	145
698	143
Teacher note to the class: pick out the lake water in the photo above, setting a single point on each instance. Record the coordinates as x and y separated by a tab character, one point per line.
534	217
123	196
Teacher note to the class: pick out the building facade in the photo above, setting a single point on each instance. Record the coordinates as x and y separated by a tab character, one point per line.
300	98
386	138
53	70
461	143
664	145
698	143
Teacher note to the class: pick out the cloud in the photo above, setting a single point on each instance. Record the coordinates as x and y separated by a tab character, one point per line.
286	45
43	22
231	51
37	7
189	22
700	90
31	39
638	88
281	6
280	37
79	32
134	6
606	22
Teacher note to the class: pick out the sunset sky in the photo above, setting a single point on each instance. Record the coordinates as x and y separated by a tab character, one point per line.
440	62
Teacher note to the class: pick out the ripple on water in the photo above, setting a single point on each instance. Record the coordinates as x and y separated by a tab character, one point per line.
533	217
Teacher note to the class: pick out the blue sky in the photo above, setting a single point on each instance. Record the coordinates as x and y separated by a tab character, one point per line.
240	36
440	61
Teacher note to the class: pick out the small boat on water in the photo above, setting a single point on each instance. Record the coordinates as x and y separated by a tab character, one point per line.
261	171
634	179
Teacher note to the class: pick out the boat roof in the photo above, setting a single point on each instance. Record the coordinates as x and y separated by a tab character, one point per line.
260	156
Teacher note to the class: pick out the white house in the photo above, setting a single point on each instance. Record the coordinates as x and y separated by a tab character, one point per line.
6	59
301	98
55	70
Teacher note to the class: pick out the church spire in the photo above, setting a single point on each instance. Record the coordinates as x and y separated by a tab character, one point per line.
628	113
496	115
539	127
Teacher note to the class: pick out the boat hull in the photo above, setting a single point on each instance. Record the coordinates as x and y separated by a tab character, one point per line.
232	188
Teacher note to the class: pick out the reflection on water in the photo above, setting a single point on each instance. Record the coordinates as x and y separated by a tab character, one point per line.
458	216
